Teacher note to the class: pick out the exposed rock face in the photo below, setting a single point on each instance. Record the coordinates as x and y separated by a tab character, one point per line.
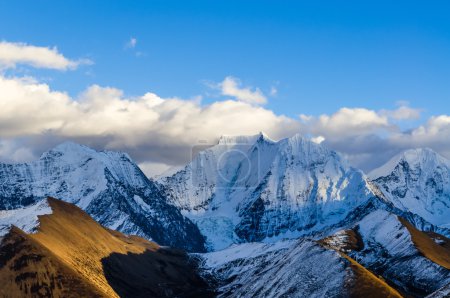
253	189
418	181
107	185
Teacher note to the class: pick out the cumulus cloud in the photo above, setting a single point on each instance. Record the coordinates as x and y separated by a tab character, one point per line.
12	54
368	138
151	128
231	86
346	122
435	133
12	150
161	132
403	112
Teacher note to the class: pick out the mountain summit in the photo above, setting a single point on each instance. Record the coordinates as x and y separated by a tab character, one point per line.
418	181
254	189
108	185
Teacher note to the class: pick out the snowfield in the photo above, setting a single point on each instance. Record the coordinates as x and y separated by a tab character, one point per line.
25	218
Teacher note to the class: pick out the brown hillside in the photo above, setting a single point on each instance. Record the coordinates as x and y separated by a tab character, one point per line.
103	262
366	284
425	243
363	283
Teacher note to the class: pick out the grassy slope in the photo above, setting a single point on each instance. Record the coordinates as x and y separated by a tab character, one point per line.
29	269
363	283
103	263
82	243
439	254
367	284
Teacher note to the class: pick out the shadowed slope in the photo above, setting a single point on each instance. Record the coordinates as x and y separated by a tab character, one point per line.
171	275
80	249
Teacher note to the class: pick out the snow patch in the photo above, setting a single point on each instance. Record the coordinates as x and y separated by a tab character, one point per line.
25	219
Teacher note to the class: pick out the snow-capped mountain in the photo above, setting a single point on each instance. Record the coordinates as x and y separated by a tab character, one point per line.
108	185
415	262
247	189
418	181
246	194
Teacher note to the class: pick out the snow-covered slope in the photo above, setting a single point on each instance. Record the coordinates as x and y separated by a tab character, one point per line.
418	181
108	185
25	218
443	292
254	189
388	248
294	268
269	271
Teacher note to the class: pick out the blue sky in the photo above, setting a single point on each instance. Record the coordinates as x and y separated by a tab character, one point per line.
362	76
320	56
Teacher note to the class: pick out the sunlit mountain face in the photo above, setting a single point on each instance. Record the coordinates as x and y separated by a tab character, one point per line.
67	254
232	149
266	211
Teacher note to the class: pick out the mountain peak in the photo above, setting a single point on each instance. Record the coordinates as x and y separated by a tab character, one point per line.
243	139
417	181
422	155
263	136
70	150
425	158
71	146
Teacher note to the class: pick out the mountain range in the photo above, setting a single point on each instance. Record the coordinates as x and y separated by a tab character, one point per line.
108	185
288	218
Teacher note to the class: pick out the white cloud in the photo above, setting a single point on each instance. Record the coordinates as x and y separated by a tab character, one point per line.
12	150
403	112
12	54
346	122
131	43
162	131
368	138
231	86
434	133
146	126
